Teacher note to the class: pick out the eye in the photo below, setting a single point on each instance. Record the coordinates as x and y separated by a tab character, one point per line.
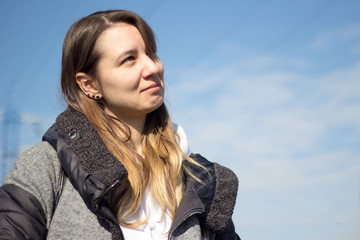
128	59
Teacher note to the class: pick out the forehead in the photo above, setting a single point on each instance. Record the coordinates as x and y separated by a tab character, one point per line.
118	38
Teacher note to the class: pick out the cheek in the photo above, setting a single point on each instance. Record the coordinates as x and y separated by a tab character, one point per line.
119	81
161	67
161	70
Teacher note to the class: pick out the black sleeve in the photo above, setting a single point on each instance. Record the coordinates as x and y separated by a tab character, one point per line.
21	214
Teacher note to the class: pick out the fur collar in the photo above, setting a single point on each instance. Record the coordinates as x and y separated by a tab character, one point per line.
89	148
216	198
217	194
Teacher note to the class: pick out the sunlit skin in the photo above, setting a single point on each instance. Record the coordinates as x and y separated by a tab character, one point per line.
130	80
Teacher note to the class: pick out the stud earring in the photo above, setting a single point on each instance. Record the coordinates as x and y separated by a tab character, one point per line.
97	96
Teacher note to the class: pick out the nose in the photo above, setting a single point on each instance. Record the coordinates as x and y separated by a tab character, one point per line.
152	66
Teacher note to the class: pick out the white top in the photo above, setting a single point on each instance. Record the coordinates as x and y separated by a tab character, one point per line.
154	228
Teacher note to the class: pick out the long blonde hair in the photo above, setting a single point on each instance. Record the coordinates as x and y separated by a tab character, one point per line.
161	165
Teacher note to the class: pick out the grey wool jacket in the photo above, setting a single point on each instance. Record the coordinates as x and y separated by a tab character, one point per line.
59	189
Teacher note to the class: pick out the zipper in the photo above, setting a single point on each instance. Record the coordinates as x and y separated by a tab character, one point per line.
106	211
109	214
106	192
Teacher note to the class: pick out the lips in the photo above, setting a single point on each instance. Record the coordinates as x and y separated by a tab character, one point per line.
153	87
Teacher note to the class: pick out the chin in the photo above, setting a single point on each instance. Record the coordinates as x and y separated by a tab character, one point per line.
155	106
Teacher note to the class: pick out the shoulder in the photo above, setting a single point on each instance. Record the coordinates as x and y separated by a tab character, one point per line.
40	156
223	203
37	171
220	185
40	150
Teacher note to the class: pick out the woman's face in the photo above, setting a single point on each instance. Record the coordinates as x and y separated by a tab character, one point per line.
130	81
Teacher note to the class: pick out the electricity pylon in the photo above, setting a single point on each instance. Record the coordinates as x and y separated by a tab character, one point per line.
10	137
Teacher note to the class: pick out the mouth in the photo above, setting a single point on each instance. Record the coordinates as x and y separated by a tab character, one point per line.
153	88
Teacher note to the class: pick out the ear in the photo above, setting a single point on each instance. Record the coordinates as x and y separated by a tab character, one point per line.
86	84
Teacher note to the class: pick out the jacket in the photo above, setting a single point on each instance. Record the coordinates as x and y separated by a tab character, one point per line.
30	209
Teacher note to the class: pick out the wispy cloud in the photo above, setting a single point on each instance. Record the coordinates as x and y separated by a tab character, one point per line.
291	137
332	38
281	102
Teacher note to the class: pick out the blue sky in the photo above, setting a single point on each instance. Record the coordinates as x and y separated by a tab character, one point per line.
270	89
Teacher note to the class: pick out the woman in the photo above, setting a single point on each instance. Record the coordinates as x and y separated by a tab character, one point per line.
111	167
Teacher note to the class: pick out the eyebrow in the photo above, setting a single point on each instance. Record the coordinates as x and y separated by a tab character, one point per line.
126	53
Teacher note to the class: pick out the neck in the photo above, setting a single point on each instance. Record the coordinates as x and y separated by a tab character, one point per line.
136	125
